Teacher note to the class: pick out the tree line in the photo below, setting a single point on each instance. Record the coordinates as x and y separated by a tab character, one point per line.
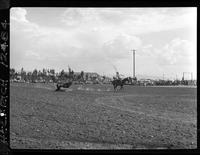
45	75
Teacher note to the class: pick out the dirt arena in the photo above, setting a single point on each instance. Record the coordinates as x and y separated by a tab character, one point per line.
96	117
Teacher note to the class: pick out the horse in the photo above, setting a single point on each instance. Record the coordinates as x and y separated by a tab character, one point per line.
64	85
119	82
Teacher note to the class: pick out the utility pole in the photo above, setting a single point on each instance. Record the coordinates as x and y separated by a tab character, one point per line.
133	63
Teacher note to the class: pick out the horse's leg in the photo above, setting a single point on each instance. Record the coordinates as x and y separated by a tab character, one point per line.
58	87
114	88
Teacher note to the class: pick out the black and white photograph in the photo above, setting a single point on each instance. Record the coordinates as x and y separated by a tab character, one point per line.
103	78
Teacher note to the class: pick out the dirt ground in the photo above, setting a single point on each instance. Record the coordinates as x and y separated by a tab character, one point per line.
95	117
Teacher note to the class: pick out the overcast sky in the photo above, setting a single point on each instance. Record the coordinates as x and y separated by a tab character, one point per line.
101	39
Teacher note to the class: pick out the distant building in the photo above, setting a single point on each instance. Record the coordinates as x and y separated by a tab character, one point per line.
146	82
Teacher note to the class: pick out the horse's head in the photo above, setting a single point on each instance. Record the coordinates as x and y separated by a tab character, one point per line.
124	80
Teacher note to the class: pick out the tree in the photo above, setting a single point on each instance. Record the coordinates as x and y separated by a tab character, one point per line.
52	75
34	75
29	76
22	69
86	76
12	73
44	72
52	72
62	73
69	69
23	74
82	74
72	74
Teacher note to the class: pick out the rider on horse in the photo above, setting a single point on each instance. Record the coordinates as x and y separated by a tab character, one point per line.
118	76
118	81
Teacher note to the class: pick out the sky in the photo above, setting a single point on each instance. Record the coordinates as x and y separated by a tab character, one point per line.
102	39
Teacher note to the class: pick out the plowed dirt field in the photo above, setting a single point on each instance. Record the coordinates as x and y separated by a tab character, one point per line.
95	117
